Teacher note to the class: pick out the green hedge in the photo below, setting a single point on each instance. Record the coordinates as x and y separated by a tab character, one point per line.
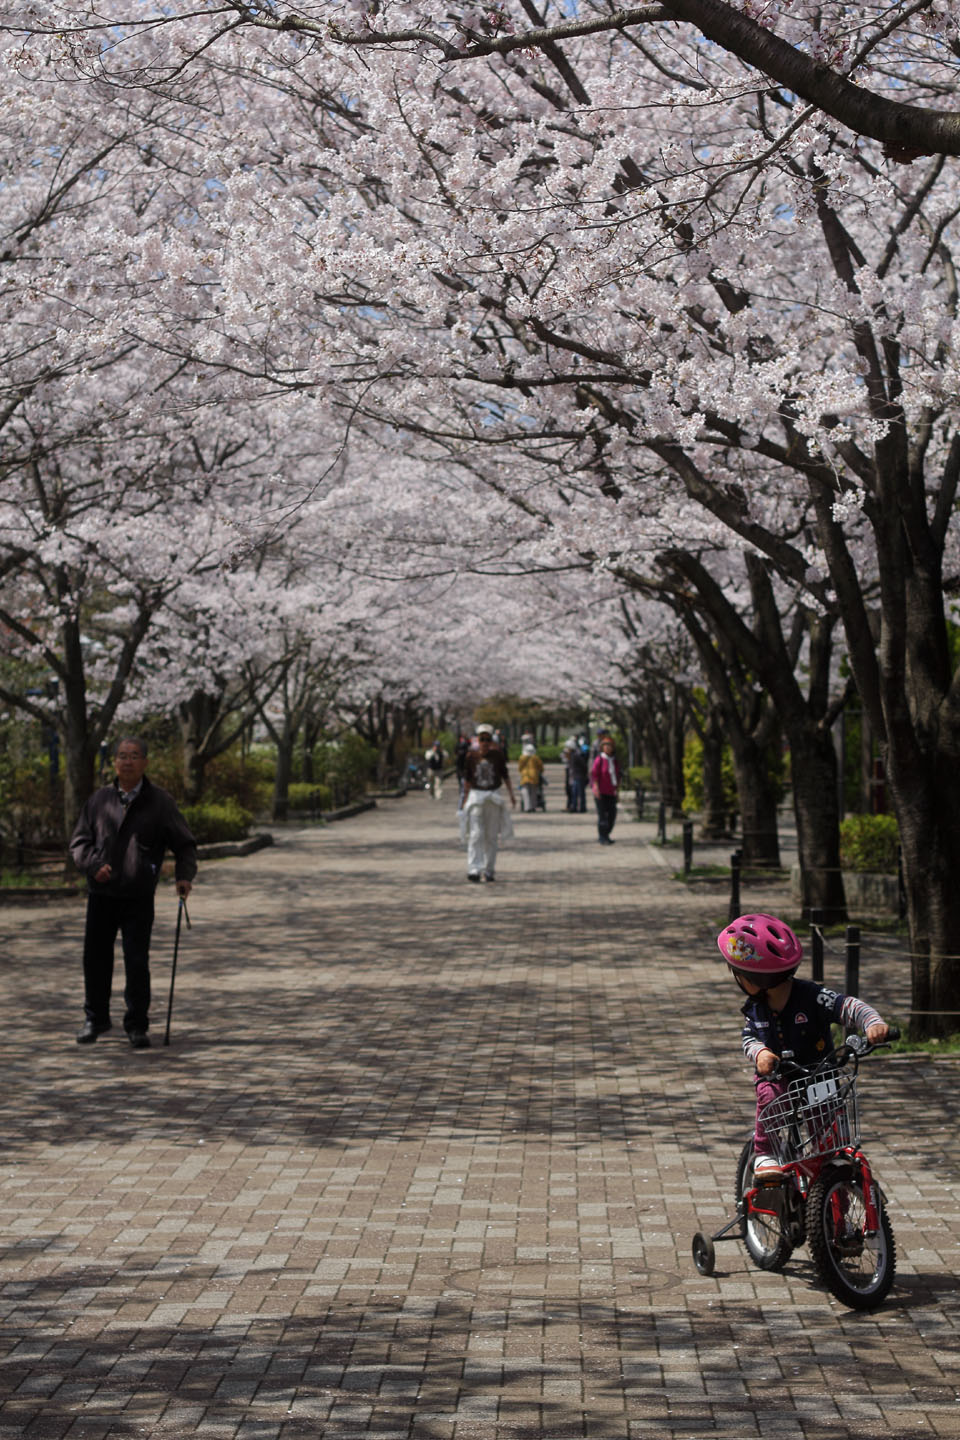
547	753
215	820
869	842
304	796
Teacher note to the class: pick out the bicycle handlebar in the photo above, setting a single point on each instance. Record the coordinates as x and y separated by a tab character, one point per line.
855	1047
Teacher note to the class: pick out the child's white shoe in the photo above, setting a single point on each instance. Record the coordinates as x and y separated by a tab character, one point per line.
767	1170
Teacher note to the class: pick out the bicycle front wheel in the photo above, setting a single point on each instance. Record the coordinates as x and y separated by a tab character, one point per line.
762	1232
856	1267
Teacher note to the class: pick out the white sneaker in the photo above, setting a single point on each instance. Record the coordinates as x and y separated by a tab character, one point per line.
767	1170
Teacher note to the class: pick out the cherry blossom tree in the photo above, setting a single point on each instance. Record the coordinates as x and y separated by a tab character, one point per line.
607	272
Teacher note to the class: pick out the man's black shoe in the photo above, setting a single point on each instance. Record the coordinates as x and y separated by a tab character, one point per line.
90	1031
139	1039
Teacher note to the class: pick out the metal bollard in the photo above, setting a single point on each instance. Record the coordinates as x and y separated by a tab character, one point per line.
662	822
816	945
736	861
852	981
687	846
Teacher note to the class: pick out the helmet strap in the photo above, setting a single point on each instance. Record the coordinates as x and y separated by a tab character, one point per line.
750	994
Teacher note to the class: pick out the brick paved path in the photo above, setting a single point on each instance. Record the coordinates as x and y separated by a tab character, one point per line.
424	1159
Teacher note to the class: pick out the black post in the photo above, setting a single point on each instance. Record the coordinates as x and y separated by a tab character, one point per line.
852	981
816	944
736	859
662	823
687	846
641	796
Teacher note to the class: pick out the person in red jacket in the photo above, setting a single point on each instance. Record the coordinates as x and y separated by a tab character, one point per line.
605	784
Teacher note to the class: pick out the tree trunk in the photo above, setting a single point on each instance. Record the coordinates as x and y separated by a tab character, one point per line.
757	794
930	842
195	716
816	810
281	786
714	824
79	767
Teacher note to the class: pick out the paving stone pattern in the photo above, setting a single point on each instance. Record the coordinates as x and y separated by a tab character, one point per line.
425	1159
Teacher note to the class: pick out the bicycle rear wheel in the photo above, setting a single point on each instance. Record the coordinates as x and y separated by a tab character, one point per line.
762	1233
857	1268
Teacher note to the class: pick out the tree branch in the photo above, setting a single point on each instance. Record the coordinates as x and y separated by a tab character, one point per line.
905	131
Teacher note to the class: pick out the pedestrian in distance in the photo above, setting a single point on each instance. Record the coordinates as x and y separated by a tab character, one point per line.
783	1016
436	759
605	784
460	753
484	817
530	767
575	762
119	843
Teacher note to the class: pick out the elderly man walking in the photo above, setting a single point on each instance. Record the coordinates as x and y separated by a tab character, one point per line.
119	843
484	817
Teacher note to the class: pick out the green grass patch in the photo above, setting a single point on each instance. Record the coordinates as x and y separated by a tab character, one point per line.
703	872
942	1045
34	880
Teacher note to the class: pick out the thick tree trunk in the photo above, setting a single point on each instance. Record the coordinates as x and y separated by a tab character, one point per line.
816	810
715	822
195	717
757	794
285	741
930	842
79	775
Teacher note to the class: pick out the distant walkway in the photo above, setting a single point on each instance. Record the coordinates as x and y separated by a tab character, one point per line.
424	1160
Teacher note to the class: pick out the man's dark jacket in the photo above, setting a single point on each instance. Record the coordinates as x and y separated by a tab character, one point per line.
131	843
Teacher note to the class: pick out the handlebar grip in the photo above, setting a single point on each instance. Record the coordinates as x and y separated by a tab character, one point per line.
893	1032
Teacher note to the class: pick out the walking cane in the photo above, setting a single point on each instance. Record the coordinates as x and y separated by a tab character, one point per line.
181	914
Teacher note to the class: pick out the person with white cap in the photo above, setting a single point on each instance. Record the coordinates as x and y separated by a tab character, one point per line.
530	767
484	817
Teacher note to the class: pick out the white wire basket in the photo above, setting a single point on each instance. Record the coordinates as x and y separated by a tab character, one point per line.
816	1115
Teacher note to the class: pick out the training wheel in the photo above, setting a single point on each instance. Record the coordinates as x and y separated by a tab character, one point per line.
704	1255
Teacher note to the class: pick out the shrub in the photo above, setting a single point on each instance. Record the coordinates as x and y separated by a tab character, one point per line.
869	842
214	820
347	765
640	775
547	753
244	780
305	796
693	777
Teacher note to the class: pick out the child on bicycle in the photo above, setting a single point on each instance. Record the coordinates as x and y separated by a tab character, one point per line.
783	1015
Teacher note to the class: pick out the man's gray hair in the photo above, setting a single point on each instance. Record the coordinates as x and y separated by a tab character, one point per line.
132	740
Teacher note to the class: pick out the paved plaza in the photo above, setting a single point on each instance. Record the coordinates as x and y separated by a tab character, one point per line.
424	1159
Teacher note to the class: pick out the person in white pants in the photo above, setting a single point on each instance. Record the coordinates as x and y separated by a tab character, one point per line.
484	817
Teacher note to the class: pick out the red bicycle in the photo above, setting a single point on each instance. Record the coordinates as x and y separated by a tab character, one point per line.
827	1195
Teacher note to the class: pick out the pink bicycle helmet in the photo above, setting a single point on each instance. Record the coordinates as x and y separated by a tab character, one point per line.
760	947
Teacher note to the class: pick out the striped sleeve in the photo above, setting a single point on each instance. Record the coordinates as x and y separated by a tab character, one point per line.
857	1014
752	1045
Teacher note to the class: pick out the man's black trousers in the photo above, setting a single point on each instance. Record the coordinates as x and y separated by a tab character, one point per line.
133	919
